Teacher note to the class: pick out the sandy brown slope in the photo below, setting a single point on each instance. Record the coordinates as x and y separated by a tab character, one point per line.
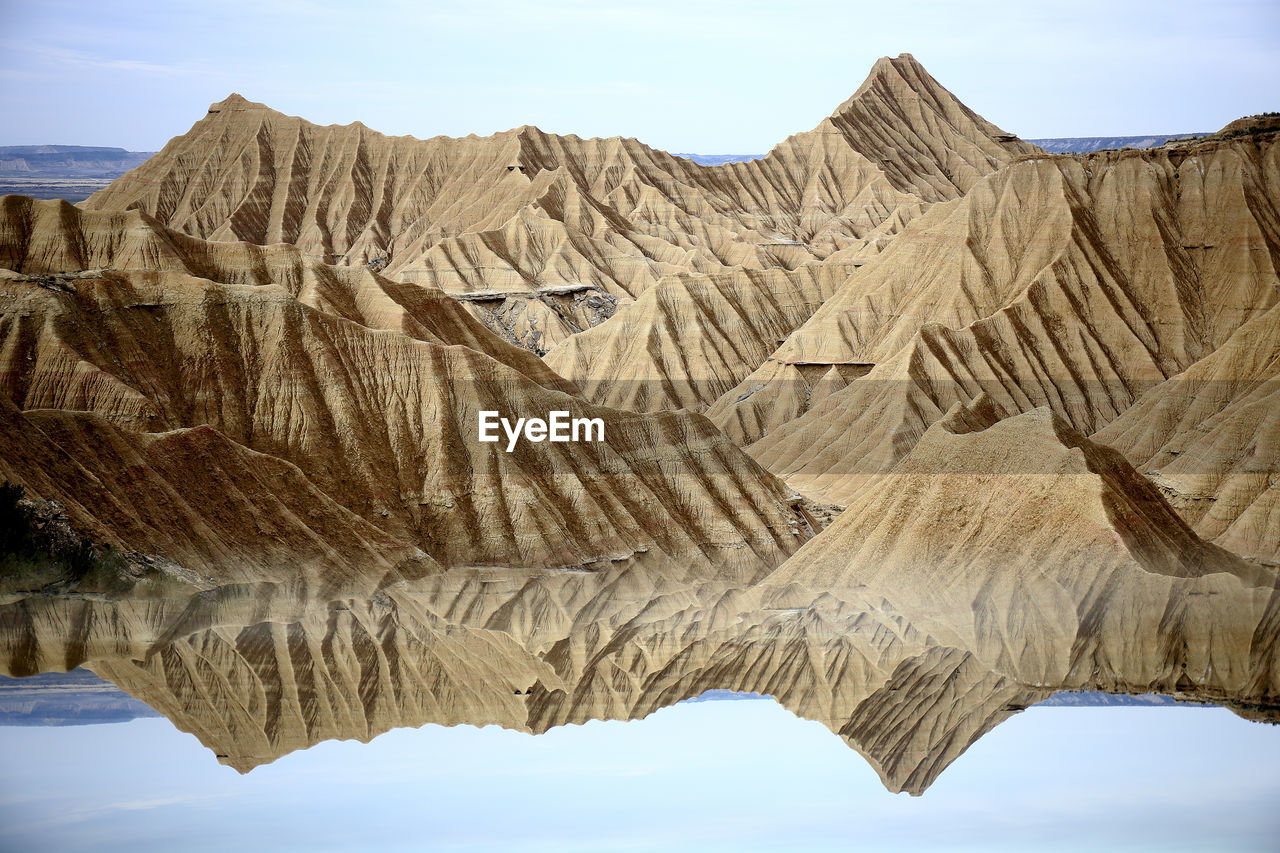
1036	559
1210	439
900	127
247	172
386	425
690	338
1028	490
523	219
285	367
930	144
217	511
49	237
1076	283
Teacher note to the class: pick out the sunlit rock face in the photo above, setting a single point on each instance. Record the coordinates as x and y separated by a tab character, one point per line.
524	209
545	236
822	305
288	413
1080	283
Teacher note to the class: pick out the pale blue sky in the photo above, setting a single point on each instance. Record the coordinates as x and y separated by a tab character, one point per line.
711	776
707	76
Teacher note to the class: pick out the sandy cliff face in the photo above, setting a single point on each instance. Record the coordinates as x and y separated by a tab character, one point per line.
49	237
1207	438
213	510
899	144
246	172
368	391
688	340
1074	283
547	233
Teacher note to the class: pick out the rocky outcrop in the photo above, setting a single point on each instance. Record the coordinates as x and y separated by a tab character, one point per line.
522	215
689	339
1208	439
1073	283
367	394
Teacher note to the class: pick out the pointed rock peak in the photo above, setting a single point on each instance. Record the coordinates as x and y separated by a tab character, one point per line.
900	75
235	102
924	140
890	64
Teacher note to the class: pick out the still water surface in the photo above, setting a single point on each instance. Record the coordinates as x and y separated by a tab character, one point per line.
726	775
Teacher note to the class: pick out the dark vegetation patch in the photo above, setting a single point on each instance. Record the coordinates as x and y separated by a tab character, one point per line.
41	552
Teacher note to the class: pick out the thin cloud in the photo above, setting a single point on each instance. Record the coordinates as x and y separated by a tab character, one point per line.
84	814
66	57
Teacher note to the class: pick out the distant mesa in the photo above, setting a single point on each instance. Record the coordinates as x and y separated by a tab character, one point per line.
76	698
1086	144
67	161
719	159
71	172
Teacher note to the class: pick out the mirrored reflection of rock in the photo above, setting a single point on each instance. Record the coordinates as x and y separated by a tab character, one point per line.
910	627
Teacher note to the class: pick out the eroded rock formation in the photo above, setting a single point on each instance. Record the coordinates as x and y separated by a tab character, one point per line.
1043	386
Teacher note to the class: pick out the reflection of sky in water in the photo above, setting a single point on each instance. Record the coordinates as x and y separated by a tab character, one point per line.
723	775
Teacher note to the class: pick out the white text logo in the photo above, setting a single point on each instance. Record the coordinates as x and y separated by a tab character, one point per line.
557	427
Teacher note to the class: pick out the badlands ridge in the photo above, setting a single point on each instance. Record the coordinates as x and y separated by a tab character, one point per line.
908	424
